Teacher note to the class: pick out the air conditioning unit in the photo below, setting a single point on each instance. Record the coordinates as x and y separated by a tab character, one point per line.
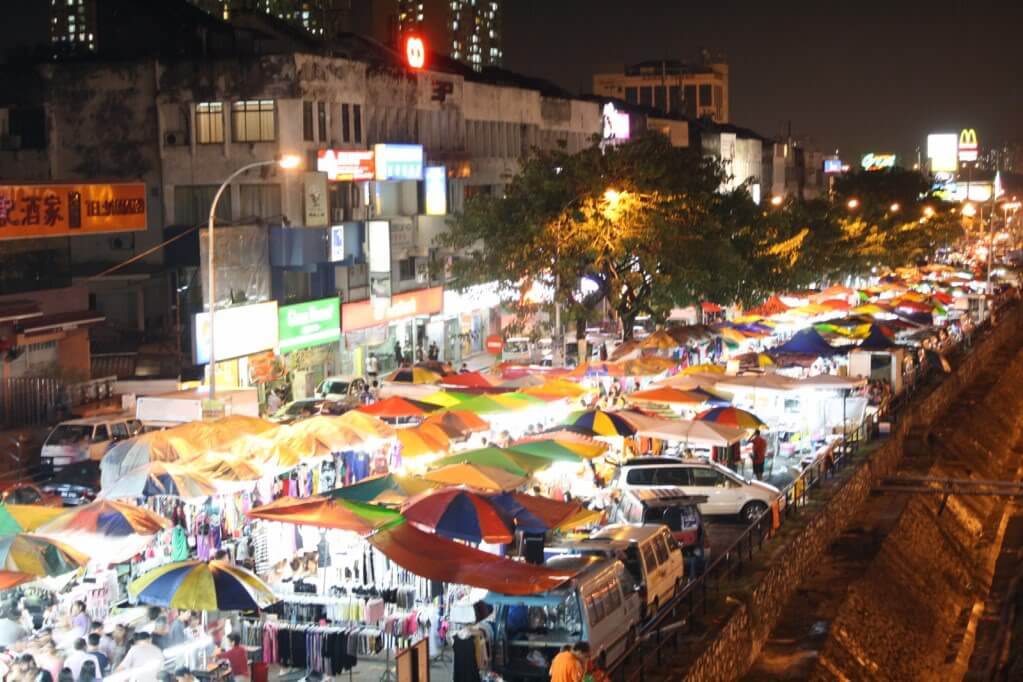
10	143
175	138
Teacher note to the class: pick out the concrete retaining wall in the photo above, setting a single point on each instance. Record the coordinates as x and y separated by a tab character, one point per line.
731	651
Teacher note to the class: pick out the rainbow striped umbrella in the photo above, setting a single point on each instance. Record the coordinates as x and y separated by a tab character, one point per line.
601	423
732	416
110	518
38	556
202	586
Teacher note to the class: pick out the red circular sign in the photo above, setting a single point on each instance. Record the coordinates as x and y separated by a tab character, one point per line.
415	52
495	344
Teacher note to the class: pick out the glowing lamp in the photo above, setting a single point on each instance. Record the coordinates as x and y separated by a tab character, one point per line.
415	52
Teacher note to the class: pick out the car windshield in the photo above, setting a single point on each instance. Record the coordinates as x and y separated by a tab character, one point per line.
336	387
562	617
515	346
297	407
82	473
70	434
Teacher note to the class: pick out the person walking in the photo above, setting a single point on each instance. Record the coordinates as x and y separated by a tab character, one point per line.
567	667
372	366
759	454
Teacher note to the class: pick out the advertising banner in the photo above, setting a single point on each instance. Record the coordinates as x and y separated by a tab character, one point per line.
399	161
240	331
364	314
304	325
342	165
33	211
942	150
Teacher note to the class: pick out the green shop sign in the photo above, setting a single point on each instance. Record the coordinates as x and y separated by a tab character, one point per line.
309	324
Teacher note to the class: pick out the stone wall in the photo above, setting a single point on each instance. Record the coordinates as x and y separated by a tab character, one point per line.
730	651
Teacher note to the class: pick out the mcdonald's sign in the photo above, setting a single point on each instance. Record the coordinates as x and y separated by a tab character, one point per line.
968	148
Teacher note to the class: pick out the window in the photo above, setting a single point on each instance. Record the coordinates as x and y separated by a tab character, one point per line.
660	548
645	97
719	97
672	476
100	434
630	96
260	201
675	98
641	476
649	558
705	95
209	122
192	204
690	100
707	478
307	121
27	126
660	98
406	269
254	120
321	120
357	122
346	124
119	431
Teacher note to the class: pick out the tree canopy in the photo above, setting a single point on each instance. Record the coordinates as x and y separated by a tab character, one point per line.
645	226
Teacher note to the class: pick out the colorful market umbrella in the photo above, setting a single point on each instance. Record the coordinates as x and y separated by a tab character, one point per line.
461	420
596	369
547	449
647	366
659	340
515	463
366	425
394	407
202	586
412	375
467	380
458	514
109	518
330	431
326	512
38	556
16	518
483	404
9	579
442	431
669	396
476	476
556	388
601	423
416	442
441	399
532	513
386	489
161	479
703	369
732	416
580	445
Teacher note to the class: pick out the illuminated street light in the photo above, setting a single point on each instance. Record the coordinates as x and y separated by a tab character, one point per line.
894	208
928	211
969	210
853	204
285	162
776	200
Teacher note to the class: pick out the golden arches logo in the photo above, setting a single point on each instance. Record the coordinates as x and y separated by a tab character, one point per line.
968	138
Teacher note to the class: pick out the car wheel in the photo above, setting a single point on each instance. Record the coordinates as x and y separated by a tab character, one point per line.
751	511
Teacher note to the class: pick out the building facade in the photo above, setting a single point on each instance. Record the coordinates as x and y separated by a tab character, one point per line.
468	31
672	87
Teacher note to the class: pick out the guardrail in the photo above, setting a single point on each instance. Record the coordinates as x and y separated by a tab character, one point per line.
680	616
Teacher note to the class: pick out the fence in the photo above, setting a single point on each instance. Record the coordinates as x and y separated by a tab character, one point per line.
27	401
681	615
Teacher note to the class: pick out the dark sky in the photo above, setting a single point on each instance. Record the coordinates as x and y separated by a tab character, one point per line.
859	75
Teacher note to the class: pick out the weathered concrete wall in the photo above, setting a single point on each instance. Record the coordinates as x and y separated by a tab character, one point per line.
731	651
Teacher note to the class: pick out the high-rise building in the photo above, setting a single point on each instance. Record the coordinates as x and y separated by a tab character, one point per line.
73	25
312	15
673	87
466	30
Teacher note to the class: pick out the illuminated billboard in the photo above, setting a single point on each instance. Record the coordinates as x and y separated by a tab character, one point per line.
615	123
968	147
436	190
399	161
832	166
876	162
942	150
341	165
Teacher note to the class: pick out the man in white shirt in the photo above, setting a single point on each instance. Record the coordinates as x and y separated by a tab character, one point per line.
144	659
78	657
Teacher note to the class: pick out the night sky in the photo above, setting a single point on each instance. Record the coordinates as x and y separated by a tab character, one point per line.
854	75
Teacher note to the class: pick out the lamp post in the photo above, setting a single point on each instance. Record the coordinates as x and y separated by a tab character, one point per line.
285	162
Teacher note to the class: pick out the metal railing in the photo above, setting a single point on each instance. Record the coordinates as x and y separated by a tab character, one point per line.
682	614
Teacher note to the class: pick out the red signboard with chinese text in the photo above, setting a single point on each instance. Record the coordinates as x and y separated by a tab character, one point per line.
495	344
342	165
363	315
33	211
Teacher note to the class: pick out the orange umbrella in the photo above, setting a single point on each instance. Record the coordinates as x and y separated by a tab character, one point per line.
477	476
324	512
392	408
670	396
418	443
461	420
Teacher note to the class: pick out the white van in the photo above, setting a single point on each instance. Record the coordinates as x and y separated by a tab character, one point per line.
517	349
650	554
600	605
727	493
81	440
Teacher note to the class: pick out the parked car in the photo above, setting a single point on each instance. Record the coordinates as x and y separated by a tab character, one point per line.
727	492
341	389
76	484
80	440
24	492
649	553
600	605
297	409
670	507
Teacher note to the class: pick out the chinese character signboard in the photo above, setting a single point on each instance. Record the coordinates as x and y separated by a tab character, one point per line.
365	314
399	161
340	165
32	211
309	324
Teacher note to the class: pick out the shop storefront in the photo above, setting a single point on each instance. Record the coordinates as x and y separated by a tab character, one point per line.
308	336
242	333
471	316
380	327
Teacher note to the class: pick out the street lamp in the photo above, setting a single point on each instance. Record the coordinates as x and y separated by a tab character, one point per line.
853	204
894	208
284	162
928	211
776	200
